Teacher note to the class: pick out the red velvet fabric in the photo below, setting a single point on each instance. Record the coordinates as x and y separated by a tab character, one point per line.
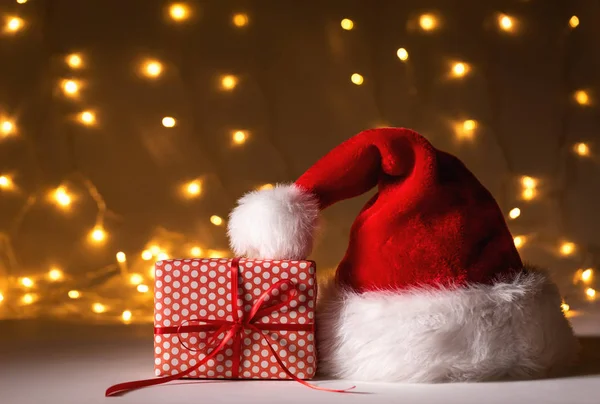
431	223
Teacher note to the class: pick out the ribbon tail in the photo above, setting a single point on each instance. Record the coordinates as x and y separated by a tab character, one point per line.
137	384
270	344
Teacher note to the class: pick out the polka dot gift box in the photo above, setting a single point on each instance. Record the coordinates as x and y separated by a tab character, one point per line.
240	318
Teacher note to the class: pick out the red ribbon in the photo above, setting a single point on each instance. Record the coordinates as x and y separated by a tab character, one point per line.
233	330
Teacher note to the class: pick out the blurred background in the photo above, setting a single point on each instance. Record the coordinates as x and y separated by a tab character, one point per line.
128	129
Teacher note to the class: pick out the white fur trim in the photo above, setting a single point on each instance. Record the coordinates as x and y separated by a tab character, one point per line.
276	223
513	329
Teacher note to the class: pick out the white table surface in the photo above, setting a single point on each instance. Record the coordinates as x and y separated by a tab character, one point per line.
62	363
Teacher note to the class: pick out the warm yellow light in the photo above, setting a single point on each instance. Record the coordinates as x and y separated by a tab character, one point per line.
62	197
514	213
121	257
168	122
582	97
565	307
574	21
460	69
196	251
228	82
193	188
13	24
154	249
98	234
528	194
347	24
240	136
152	68
216	254
591	293
240	20
265	187
74	294
98	308
528	182
216	220
402	54
162	256
519	241
179	11
136	279
469	125
70	87
55	274
7	127
21	1
428	22
1	297
147	255
87	118
28	298
126	316
357	79
506	23
582	149
6	182
567	248
586	275
74	61
143	288
27	282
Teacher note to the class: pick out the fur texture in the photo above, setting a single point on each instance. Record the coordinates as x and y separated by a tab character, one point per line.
276	223
514	329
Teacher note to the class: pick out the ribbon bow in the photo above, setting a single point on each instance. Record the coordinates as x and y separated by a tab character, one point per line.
235	330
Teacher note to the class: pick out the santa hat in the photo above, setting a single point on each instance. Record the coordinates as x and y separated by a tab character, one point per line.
431	287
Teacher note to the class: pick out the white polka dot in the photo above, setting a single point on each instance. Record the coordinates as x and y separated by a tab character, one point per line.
212	285
167	322
302	275
257	269
194	274
174	362
213	264
222	268
212	296
294	270
194	285
203	279
158	272
165	367
194	296
212	307
257	292
157	350
273	369
248	264
275	270
168	278
283	342
220	368
247	363
221	313
158	283
166	356
222	280
158	305
300	365
292	359
177	273
186	268
175	306
247	352
158	316
211	373
168	267
283	320
246	374
193	307
221	302
300	375
264	364
157	361
247	341
167	300
203	268
158	294
203	301
203	312
212	274
185	312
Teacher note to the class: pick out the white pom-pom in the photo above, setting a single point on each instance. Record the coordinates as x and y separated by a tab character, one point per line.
276	223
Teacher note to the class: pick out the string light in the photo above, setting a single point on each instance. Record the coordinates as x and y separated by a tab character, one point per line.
428	22
168	122
193	188
136	279
147	255
265	187
216	220
121	257
162	256
528	182
74	61
567	248
21	1
7	127
347	24
27	282
97	235
28	298
55	274
70	88
74	294
565	307
574	21
582	149
179	12
514	213
13	24
196	251
1	297
61	197
154	249
357	79
126	316
240	136
142	288
582	97
152	68
506	23
519	241
591	293
98	308
240	20
460	69
528	194
228	82
6	182
87	118
402	54
586	276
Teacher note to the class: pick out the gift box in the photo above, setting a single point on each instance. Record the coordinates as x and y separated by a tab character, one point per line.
234	318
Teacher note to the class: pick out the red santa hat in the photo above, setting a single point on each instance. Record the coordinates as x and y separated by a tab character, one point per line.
431	288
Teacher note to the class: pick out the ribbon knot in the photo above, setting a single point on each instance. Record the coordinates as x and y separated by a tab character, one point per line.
234	330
